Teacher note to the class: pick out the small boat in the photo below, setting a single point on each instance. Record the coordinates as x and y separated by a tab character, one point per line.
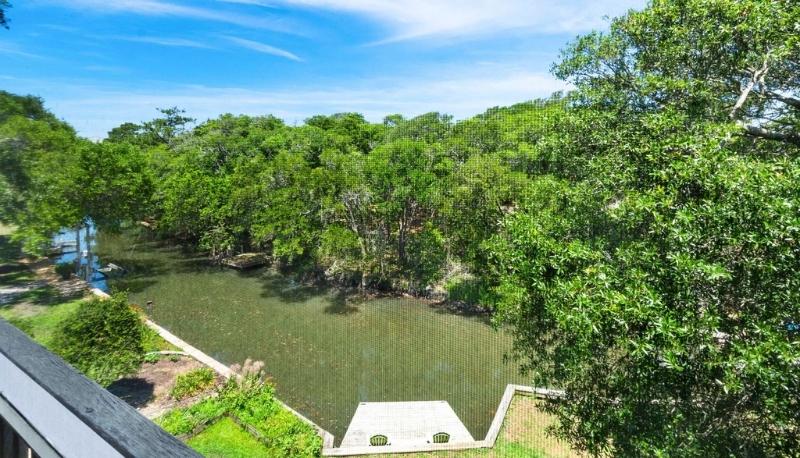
111	269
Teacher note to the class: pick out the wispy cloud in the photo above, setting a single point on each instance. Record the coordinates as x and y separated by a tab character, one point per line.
164	8
60	28
263	3
106	69
13	49
263	48
412	19
165	41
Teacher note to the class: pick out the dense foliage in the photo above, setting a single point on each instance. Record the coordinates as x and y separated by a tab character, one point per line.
51	179
4	5
102	339
397	205
652	274
639	234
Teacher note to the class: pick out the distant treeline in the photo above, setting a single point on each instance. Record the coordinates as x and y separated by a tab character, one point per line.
393	205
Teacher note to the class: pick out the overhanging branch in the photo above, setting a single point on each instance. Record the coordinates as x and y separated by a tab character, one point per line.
791	101
760	132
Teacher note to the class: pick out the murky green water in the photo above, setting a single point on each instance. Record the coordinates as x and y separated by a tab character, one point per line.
326	352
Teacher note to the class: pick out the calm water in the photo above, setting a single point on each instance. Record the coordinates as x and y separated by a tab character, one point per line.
325	351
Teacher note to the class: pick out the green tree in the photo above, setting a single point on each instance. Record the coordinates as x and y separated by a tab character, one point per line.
4	6
163	130
711	59
650	272
29	135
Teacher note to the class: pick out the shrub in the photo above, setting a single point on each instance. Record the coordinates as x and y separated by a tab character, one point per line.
64	269
289	436
472	291
192	383
102	339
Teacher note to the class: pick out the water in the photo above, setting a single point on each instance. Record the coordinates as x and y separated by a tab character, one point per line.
325	351
88	265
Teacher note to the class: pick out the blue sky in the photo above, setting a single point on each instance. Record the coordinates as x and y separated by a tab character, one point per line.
98	63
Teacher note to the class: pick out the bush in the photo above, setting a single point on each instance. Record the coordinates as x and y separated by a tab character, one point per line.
472	291
193	382
64	269
102	339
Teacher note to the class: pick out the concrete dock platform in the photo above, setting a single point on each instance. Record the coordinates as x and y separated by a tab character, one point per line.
405	424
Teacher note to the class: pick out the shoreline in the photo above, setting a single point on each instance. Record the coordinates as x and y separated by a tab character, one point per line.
440	302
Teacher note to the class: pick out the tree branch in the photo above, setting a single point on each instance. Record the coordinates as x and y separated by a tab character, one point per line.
767	134
791	101
758	77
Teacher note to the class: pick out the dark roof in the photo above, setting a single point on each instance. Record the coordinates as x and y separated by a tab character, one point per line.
119	424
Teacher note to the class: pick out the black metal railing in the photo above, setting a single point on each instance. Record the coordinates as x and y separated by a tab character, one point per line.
12	444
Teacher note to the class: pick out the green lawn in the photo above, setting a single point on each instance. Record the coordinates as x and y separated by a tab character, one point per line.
39	324
226	439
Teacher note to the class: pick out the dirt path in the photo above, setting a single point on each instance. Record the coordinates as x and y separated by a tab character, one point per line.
148	390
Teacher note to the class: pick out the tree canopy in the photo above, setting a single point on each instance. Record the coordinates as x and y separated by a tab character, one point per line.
652	277
4	6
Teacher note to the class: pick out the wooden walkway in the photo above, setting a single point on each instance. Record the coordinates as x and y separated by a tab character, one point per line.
404	423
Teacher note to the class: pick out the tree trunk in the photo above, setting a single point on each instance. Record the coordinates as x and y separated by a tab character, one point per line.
78	250
401	243
757	78
87	239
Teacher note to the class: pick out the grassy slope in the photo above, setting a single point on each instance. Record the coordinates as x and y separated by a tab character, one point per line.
42	325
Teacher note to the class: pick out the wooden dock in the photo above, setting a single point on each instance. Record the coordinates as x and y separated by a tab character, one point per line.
404	424
246	260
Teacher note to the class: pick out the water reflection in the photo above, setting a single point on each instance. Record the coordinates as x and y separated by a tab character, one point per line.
326	350
82	246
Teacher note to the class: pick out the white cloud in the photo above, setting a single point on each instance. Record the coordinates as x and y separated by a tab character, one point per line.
461	92
106	69
250	2
163	8
263	48
13	49
165	41
411	19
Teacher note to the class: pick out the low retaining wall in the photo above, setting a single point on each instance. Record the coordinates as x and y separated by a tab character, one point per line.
328	448
487	442
223	370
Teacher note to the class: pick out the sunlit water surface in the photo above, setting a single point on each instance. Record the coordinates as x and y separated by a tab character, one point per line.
325	351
